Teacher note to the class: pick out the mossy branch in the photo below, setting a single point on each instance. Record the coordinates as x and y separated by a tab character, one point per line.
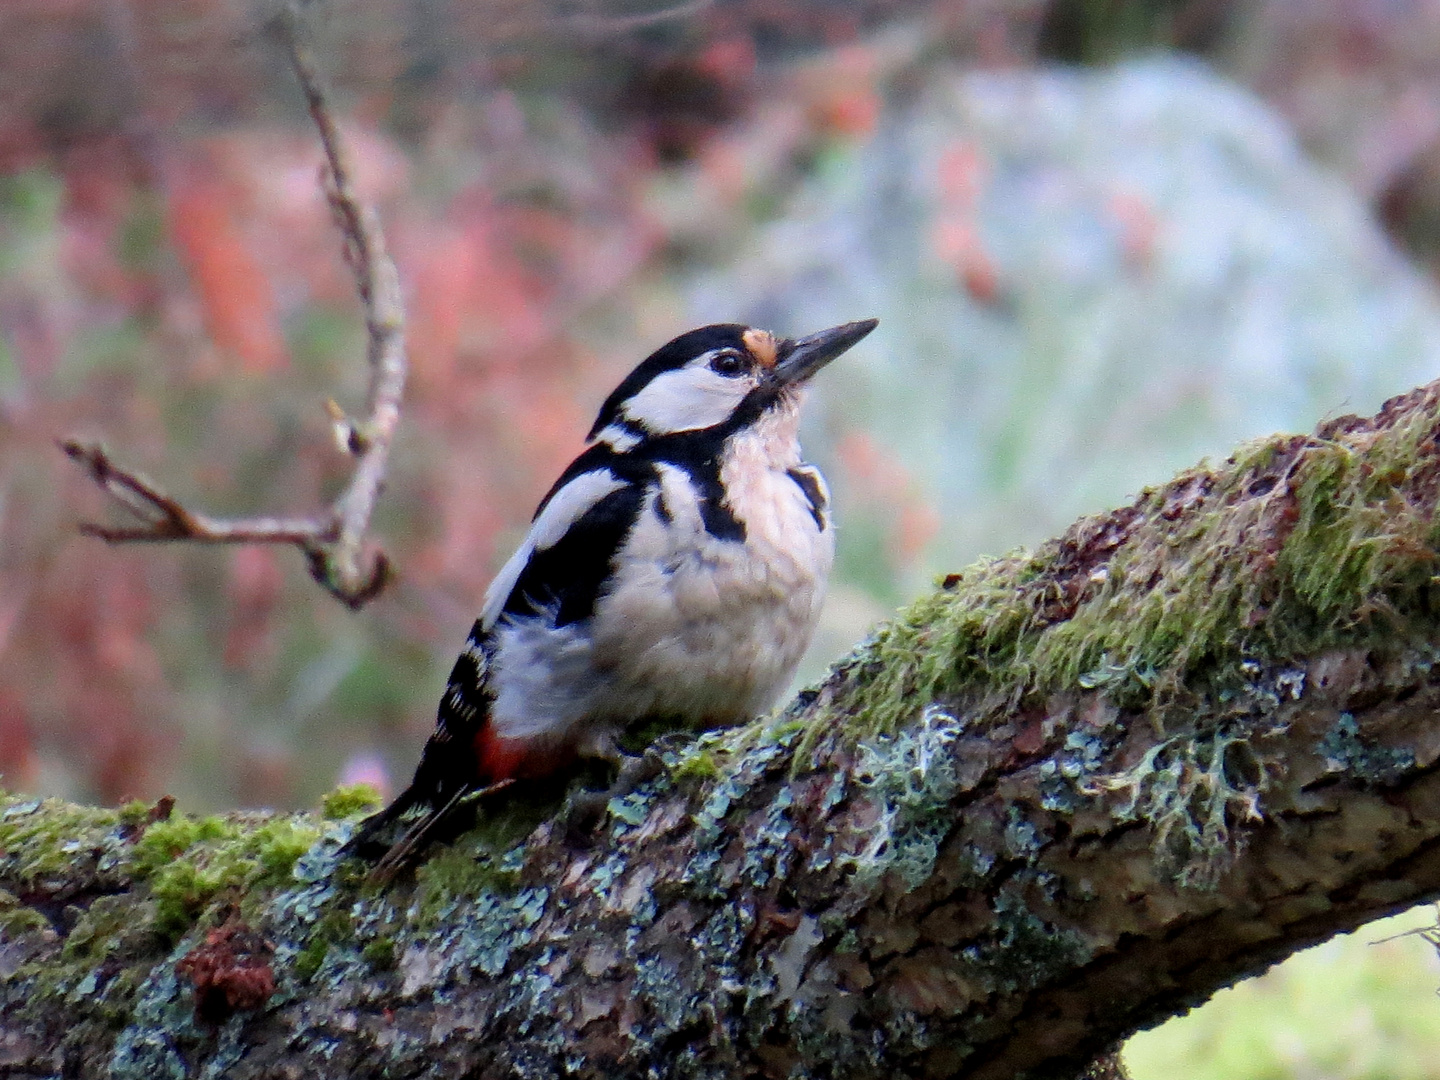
1067	795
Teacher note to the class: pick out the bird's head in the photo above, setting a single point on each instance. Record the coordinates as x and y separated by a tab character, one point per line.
718	378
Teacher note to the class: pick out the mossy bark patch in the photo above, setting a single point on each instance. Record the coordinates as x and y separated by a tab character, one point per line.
1295	544
1067	794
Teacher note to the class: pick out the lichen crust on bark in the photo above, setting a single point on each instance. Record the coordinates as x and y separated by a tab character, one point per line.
1068	794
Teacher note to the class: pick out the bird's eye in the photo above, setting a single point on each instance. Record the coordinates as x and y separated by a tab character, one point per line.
727	363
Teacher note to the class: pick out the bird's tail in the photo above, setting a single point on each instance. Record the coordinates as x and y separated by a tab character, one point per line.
412	839
396	856
364	844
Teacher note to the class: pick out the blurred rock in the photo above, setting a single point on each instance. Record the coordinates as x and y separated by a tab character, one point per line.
1085	280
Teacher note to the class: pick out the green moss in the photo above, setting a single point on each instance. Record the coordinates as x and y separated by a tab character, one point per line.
379	953
459	870
134	813
467	869
41	839
483	862
350	802
189	861
970	636
16	918
281	842
100	929
165	841
697	765
1295	545
330	930
309	958
131	888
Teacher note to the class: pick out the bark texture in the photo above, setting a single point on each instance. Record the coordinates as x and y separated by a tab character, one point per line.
1067	795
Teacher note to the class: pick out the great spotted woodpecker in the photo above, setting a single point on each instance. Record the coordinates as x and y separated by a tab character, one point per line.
672	575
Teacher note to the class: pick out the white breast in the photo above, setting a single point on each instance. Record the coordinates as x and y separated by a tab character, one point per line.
694	627
710	629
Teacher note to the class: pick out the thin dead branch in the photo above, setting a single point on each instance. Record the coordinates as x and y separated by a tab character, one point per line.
333	541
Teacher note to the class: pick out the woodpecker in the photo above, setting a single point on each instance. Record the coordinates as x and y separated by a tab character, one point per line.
672	576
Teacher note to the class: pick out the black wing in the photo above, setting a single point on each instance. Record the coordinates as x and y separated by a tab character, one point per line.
568	577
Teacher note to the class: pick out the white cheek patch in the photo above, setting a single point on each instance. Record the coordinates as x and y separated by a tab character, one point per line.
687	399
566	506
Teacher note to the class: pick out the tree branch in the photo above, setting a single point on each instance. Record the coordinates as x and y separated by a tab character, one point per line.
332	542
1065	796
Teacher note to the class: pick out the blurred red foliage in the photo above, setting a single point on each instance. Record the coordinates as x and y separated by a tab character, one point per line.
961	179
254	591
846	96
232	287
169	277
1139	227
880	480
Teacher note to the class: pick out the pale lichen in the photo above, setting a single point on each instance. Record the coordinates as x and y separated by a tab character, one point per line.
911	776
1345	750
1190	793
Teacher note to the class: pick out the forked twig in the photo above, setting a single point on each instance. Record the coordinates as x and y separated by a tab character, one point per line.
332	541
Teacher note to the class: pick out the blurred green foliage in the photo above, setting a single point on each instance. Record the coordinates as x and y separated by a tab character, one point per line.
1356	1007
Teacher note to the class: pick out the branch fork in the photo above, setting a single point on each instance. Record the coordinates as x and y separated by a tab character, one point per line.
333	541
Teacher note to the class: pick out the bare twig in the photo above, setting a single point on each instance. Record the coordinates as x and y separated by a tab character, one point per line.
333	542
163	518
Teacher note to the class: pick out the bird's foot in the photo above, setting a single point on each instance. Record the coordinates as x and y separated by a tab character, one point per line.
585	809
636	769
581	816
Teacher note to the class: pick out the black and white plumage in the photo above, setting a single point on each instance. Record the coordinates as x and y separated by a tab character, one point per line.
674	573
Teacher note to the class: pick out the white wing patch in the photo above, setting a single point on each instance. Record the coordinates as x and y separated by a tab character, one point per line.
566	506
618	438
688	398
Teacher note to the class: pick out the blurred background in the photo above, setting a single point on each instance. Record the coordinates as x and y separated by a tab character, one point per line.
1104	238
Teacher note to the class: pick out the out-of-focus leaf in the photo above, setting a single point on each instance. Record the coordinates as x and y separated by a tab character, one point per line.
239	307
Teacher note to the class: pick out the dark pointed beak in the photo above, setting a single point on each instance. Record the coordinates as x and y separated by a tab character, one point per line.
799	358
